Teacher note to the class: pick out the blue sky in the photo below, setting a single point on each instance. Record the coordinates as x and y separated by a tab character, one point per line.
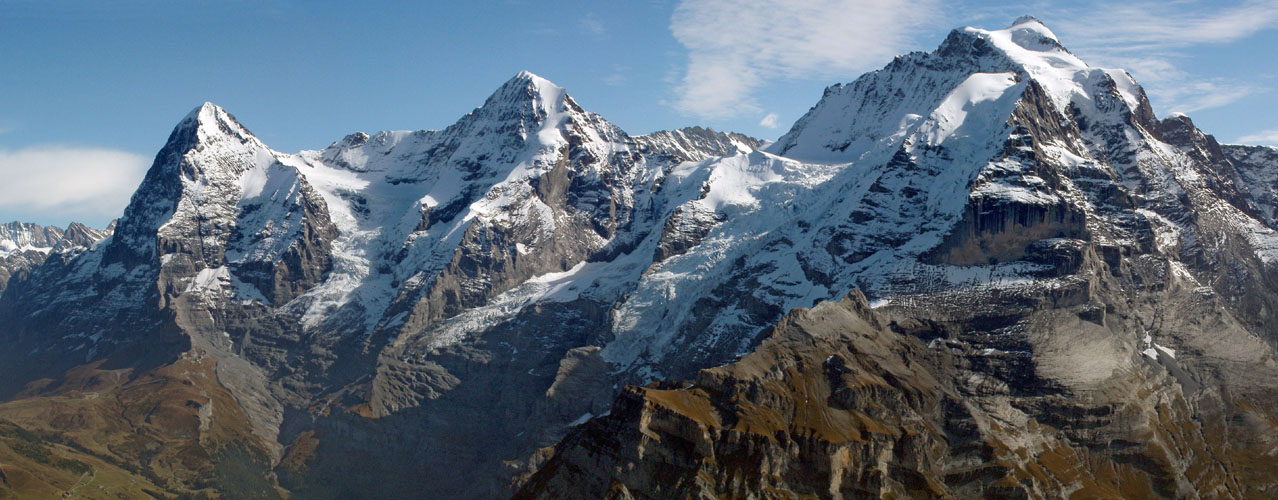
90	91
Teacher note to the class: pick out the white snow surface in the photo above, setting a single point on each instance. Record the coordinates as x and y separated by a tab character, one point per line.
980	103
9	247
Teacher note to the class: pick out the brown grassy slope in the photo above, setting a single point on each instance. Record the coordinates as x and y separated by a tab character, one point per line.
172	431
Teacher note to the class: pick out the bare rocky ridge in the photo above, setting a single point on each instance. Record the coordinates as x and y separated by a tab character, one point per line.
695	144
1057	282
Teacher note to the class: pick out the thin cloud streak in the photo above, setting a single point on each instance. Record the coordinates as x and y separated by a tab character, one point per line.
737	46
593	26
617	75
1161	25
1265	137
1193	96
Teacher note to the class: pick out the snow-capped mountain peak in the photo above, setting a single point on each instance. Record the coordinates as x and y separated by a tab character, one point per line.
209	159
1030	36
210	123
875	114
527	86
1032	33
208	113
536	102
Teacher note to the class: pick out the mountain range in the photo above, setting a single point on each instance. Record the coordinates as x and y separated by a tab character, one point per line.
989	270
25	245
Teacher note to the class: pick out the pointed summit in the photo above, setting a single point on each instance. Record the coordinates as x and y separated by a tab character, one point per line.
1031	34
532	78
528	92
1026	33
207	128
528	79
208	147
209	121
207	124
525	109
204	111
1027	18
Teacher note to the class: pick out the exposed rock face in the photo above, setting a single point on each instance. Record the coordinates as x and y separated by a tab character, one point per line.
835	404
832	405
1257	170
695	144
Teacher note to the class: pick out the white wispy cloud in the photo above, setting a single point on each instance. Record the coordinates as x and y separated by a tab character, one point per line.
617	75
769	120
1145	25
1265	137
591	24
736	46
1188	96
1154	38
69	181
